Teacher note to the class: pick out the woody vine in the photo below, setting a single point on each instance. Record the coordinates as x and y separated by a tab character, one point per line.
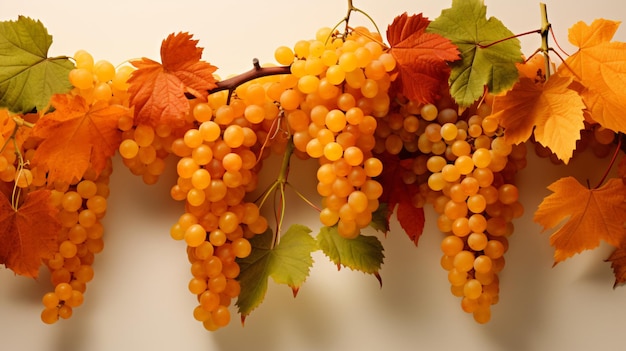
430	114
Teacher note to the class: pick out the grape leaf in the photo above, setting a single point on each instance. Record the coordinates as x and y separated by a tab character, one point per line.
380	219
157	91
76	136
552	109
363	253
288	263
618	264
600	66
483	61
28	77
592	215
399	196
421	57
28	234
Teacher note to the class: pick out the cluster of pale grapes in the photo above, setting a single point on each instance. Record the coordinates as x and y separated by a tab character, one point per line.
461	165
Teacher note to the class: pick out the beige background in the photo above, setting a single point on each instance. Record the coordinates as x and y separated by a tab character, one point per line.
139	298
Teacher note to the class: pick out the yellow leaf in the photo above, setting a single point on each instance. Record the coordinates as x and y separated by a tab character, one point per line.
552	109
600	66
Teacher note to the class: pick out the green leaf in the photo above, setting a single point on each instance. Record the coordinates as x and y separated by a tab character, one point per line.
363	253
288	263
481	64
28	78
380	220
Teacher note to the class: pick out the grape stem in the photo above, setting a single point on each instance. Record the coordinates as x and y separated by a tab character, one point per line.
17	191
278	187
346	20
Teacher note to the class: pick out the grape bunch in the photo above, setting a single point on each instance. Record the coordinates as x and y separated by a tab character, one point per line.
81	204
217	167
343	83
463	167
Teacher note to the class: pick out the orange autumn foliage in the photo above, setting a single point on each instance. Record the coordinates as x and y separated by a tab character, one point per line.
89	137
600	67
550	110
157	90
591	215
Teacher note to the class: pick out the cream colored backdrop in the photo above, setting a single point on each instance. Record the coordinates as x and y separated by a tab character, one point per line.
139	298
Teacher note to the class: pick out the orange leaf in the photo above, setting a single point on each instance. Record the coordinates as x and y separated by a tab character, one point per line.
592	215
421	57
618	263
553	110
157	91
76	136
533	68
600	65
29	234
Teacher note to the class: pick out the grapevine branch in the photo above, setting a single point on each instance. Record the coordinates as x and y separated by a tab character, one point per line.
257	71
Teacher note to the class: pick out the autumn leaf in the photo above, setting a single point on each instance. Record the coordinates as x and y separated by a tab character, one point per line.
399	196
76	136
488	50
287	263
600	66
534	68
592	215
421	57
157	91
618	264
28	77
28	234
551	109
363	253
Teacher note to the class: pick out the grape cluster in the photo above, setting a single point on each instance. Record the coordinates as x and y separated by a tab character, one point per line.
342	84
326	107
463	167
81	207
217	167
82	204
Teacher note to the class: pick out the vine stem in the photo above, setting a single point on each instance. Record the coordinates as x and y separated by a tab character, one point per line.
545	34
346	19
279	185
257	71
17	191
484	46
608	168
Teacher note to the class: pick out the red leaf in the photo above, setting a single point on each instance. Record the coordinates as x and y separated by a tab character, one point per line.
28	234
399	196
157	91
421	57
